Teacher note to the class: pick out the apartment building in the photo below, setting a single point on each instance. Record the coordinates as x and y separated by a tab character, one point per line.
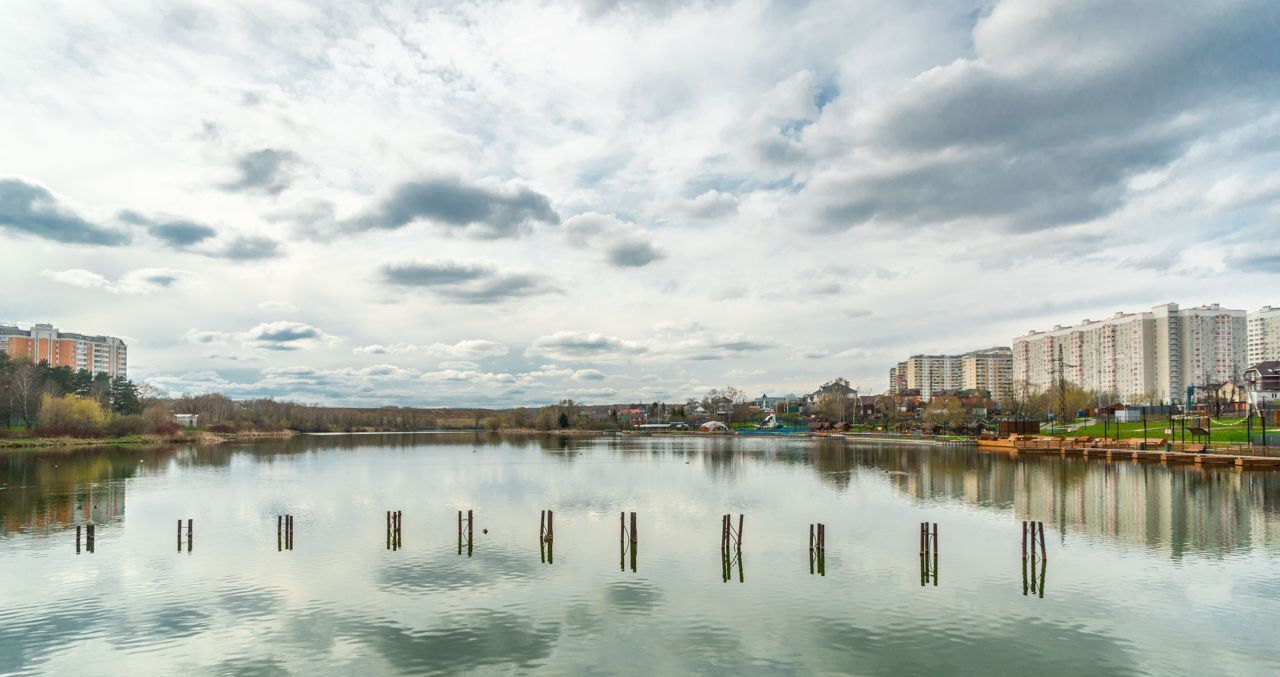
898	378
933	373
990	370
1264	335
1147	355
44	343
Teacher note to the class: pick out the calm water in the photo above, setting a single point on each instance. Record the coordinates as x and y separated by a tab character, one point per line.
1151	570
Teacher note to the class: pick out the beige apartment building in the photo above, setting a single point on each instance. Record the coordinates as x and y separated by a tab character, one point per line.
1150	355
989	370
1264	335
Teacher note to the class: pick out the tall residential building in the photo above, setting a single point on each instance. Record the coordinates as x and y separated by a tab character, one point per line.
1264	335
933	373
1149	355
898	378
990	370
44	343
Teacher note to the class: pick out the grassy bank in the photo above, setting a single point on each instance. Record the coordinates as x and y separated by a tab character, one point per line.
186	437
1230	431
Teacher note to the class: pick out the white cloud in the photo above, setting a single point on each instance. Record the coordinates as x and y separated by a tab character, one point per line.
141	281
278	306
778	188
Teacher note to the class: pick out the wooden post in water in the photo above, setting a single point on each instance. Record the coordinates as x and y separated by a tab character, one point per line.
740	517
542	527
77	539
551	527
1043	556
179	535
935	540
635	536
810	539
190	532
471	529
1024	539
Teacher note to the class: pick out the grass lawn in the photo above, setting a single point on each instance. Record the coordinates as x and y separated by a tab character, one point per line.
1226	430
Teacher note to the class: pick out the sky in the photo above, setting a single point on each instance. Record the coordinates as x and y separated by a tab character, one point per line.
509	203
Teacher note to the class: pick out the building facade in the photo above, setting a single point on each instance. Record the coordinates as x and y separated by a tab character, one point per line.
1138	357
898	378
933	373
1264	335
990	370
44	343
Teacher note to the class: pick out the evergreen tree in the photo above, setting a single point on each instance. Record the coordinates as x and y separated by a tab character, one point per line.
124	397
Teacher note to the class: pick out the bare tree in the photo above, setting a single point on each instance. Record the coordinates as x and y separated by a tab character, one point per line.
26	382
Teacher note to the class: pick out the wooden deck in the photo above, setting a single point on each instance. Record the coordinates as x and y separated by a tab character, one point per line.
1101	450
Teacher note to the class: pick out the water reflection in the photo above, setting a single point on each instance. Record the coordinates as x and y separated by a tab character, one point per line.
351	600
1178	509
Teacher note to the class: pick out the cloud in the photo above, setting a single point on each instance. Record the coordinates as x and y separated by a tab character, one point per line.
286	336
265	171
29	209
249	248
622	244
475	211
178	233
207	337
471	349
588	375
469	376
1049	121
279	306
141	281
635	254
577	346
77	277
711	204
468	283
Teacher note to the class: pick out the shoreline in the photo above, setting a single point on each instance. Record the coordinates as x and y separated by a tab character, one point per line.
202	438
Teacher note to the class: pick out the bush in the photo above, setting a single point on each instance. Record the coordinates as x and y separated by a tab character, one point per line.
133	424
223	428
71	415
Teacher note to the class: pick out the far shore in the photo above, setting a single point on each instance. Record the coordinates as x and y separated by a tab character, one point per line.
201	438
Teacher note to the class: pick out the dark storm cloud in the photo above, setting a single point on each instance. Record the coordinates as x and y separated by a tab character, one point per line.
263	171
250	248
475	211
32	210
1034	147
633	254
174	232
468	283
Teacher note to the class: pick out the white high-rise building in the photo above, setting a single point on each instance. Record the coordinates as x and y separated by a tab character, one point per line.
1264	335
1138	356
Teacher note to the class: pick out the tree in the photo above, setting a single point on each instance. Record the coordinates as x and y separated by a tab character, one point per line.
946	411
72	414
124	397
563	420
25	382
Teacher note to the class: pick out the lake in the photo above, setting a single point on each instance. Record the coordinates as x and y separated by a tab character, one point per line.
1150	569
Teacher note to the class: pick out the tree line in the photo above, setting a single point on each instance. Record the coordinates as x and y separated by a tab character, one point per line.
25	387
